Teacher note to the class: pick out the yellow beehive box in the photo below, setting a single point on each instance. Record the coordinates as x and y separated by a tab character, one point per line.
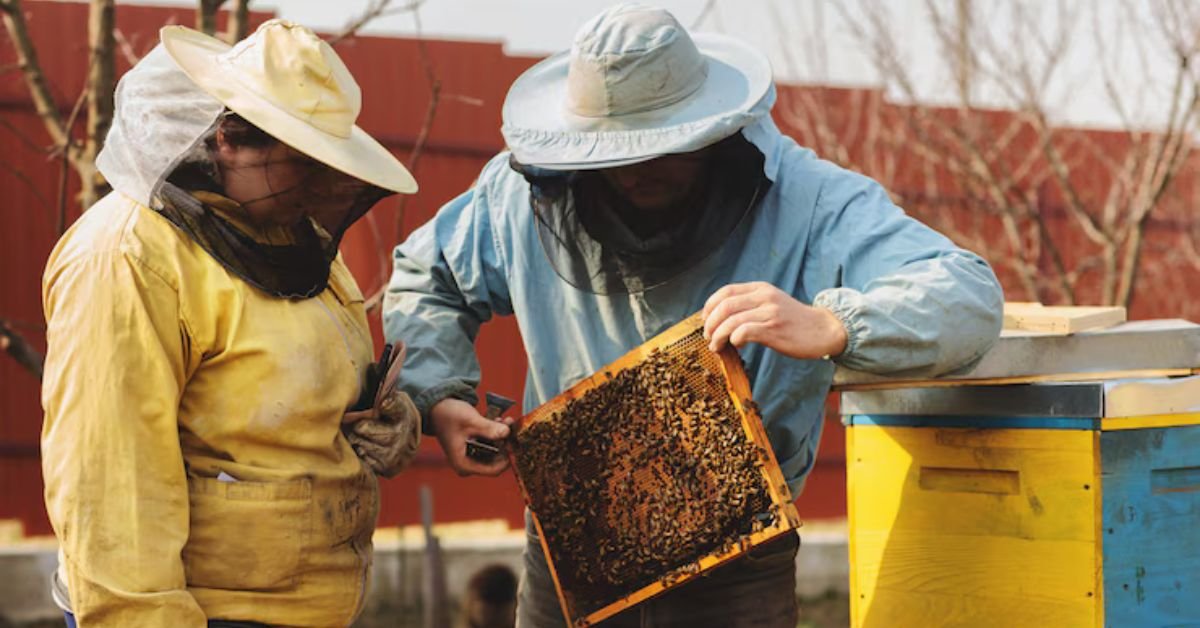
1074	504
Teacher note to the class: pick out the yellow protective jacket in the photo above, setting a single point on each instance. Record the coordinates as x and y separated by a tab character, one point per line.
192	454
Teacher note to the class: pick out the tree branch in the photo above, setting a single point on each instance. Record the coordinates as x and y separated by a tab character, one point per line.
206	16
101	85
35	79
25	139
28	183
376	9
60	225
15	345
435	91
238	25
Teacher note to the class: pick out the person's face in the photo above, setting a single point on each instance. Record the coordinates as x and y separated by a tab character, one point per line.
278	185
657	184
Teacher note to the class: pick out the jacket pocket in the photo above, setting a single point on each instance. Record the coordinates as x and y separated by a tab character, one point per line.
247	535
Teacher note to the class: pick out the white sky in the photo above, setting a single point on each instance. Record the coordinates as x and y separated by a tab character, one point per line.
812	41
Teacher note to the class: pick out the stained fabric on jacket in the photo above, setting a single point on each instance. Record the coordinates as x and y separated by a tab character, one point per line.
592	240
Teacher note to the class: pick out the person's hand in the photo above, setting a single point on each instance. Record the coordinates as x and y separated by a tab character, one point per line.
454	421
761	313
386	436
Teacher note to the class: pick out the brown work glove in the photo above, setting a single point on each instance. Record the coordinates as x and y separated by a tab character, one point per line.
386	436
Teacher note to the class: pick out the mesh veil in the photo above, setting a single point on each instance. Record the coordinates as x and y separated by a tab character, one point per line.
160	152
584	229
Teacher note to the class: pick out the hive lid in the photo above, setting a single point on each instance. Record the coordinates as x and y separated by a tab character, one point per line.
1136	349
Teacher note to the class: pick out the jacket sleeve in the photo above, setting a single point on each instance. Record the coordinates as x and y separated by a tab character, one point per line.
911	301
448	279
116	489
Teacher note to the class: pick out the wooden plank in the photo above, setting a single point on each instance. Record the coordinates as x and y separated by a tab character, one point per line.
1139	348
854	490
1177	395
999	573
972	422
1060	319
1018	379
1149	422
931	544
1151	513
886	608
961	481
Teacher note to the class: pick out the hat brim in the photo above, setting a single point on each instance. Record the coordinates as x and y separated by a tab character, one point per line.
540	131
358	155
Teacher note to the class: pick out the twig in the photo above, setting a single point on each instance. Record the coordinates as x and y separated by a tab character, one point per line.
25	139
704	11
35	78
23	178
376	9
15	345
101	84
126	48
60	224
435	90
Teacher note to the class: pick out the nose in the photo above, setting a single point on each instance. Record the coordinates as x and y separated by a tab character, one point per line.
628	177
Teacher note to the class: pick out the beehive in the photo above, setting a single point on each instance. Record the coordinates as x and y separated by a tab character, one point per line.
648	473
1071	504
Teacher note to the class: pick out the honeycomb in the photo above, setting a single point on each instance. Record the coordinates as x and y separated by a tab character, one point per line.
641	471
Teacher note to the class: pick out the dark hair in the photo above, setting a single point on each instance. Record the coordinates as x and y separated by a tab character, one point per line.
197	169
493	584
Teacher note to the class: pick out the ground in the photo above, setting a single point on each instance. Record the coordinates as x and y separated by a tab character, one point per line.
830	611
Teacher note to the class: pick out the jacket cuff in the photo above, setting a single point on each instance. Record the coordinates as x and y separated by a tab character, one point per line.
453	389
845	303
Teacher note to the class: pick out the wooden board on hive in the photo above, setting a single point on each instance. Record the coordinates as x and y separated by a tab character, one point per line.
1060	319
648	473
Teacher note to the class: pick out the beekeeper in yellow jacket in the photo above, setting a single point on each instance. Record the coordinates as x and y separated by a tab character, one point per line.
206	344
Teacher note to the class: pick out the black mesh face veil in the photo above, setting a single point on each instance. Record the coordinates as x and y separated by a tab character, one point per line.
591	236
289	260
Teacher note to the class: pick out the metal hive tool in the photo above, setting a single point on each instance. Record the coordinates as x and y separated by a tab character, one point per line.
648	473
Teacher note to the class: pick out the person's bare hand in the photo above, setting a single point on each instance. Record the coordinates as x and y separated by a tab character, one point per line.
454	421
761	313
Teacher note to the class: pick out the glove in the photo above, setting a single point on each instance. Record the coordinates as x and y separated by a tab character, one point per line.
386	435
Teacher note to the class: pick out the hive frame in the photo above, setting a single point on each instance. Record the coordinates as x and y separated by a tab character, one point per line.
738	387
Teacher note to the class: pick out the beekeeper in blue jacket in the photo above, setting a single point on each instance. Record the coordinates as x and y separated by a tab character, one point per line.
645	180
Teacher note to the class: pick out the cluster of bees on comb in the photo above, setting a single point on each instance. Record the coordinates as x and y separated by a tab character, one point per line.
640	476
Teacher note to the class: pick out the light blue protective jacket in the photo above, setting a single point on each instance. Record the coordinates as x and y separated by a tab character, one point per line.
911	300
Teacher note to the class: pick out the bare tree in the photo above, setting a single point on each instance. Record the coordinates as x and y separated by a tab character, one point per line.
239	22
1008	181
376	9
237	25
79	154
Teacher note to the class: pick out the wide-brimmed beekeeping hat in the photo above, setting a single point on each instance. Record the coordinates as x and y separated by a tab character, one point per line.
288	82
634	86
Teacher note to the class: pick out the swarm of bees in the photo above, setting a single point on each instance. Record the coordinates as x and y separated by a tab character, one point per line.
643	474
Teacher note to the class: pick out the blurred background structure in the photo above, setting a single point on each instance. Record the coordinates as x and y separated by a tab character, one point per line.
1054	138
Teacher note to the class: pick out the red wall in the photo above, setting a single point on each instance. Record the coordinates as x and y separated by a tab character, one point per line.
474	78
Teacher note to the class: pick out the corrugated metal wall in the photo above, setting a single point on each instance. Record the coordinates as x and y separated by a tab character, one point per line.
474	78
